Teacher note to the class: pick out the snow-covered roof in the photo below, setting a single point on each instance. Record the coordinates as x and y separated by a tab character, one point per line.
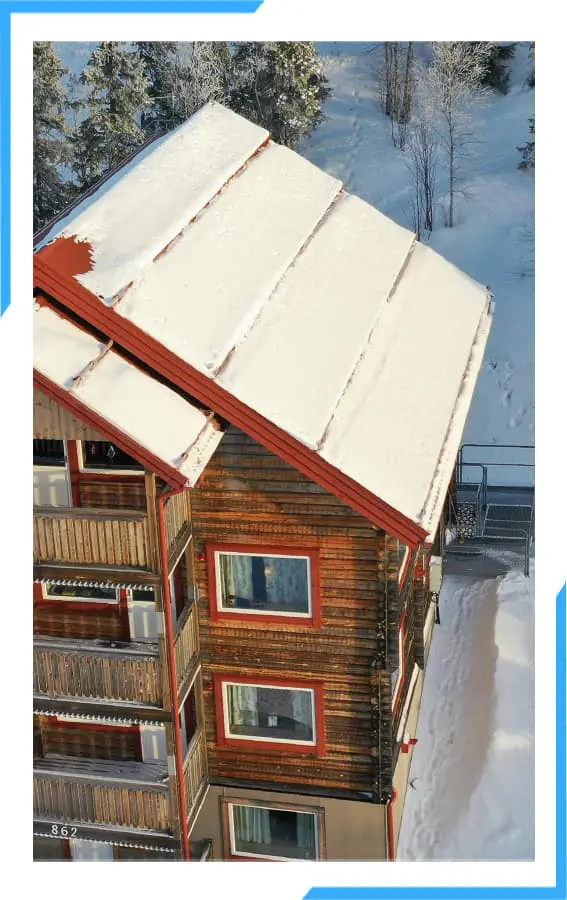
136	405
299	300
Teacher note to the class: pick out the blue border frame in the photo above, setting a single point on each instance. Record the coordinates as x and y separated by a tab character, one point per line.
559	891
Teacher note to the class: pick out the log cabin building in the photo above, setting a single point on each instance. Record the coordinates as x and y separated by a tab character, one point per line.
250	388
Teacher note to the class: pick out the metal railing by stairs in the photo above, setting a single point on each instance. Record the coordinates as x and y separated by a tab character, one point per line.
493	502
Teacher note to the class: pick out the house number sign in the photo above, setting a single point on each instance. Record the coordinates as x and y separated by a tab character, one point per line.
65	831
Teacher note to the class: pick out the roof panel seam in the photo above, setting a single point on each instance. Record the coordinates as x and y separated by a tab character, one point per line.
218	370
358	362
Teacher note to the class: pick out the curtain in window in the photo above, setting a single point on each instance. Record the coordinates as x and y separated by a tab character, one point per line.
275	582
251	825
236	577
287	583
303	709
242	705
306	835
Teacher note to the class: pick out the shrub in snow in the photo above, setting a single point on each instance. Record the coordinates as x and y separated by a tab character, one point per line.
527	150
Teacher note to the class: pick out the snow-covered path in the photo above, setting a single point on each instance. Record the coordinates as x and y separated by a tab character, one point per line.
472	769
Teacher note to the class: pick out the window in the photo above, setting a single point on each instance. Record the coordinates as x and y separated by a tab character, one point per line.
82	593
107	456
48	453
398	674
271	833
273	714
258	582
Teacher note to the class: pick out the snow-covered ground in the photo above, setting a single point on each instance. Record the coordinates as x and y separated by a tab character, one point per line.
472	768
471	793
493	240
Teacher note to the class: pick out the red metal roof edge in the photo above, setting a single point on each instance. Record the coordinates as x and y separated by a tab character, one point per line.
98	423
85	304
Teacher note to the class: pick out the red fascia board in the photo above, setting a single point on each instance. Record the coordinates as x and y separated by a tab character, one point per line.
110	432
85	304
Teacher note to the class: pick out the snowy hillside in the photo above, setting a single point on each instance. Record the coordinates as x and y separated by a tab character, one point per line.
493	241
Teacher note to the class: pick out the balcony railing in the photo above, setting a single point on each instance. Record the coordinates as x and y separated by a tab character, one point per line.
128	794
186	642
195	769
177	514
107	537
81	669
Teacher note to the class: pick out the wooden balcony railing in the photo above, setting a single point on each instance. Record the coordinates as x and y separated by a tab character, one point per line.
129	794
195	769
68	668
107	537
186	642
177	514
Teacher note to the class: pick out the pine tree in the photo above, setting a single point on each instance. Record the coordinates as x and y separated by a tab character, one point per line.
183	77
116	96
281	86
50	150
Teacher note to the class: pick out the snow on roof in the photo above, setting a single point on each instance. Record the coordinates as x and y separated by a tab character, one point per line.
305	303
128	222
150	413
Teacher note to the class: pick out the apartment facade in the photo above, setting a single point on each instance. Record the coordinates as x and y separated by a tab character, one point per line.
238	492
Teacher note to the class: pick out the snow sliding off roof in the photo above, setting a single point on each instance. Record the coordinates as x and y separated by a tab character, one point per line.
304	303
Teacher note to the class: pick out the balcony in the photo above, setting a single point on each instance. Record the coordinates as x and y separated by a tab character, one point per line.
186	642
105	792
93	670
195	771
92	537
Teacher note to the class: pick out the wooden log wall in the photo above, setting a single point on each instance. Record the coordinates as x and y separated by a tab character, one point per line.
53	620
249	496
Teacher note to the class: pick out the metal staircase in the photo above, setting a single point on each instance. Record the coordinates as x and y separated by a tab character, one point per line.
492	506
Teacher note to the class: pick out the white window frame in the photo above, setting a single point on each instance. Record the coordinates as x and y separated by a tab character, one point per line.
62	598
275	687
231	829
262	611
96	470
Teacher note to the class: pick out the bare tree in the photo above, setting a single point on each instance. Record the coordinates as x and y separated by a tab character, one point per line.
450	87
422	157
394	74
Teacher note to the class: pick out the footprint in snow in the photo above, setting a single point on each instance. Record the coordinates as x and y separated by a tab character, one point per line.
506	398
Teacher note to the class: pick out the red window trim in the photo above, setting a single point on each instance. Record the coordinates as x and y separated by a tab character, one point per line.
274	619
402	665
224	740
61	722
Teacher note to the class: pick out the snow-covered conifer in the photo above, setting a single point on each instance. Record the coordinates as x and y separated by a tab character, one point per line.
50	151
116	94
281	86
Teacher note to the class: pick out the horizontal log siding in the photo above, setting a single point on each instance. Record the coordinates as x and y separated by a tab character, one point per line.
55	621
106	537
79	801
135	679
249	496
112	491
